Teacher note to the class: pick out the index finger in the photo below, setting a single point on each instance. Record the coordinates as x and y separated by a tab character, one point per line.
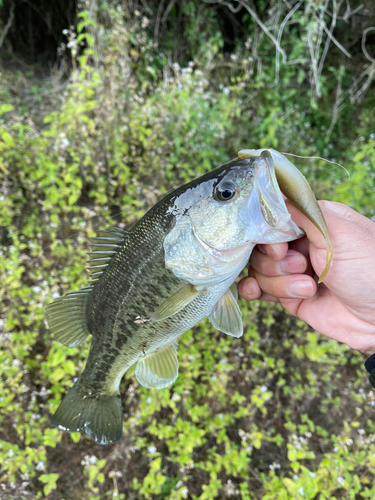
276	251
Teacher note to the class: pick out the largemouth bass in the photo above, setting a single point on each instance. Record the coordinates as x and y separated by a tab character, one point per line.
177	265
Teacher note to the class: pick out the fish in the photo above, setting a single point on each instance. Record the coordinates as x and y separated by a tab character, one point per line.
177	265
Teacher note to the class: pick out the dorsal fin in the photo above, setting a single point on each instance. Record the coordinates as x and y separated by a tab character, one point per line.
104	246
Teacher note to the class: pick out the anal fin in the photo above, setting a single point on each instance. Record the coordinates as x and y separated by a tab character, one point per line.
159	369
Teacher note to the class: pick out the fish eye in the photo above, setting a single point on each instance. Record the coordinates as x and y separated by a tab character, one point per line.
224	192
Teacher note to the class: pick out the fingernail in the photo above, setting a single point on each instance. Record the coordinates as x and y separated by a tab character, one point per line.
262	249
292	264
251	288
271	252
301	289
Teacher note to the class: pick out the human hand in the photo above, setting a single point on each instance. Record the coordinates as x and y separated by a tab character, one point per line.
343	306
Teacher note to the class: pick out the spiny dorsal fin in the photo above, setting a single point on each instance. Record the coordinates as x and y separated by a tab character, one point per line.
66	317
104	247
159	369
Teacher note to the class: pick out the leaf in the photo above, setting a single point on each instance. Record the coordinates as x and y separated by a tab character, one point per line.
7	138
76	436
58	374
5	108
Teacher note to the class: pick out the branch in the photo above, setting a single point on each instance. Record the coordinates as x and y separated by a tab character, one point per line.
282	26
8	24
157	22
364	50
256	18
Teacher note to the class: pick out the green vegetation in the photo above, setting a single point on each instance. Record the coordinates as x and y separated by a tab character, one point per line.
151	98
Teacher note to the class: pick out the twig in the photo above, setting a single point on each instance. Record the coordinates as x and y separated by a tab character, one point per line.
348	13
8	24
364	50
264	28
157	22
335	112
167	10
256	18
279	35
329	33
226	4
370	73
255	475
147	8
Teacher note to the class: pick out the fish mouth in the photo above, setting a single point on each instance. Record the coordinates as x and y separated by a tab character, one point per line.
266	206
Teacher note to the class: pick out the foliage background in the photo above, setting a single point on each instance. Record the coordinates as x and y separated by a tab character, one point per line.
99	121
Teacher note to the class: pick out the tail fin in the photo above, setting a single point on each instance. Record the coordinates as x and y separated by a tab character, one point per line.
100	416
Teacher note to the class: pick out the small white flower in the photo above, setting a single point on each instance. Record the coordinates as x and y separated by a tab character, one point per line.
152	450
263	388
312	474
341	481
301	491
148	400
92	460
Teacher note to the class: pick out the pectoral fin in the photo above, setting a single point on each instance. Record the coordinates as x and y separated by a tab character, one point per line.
175	303
159	369
226	315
